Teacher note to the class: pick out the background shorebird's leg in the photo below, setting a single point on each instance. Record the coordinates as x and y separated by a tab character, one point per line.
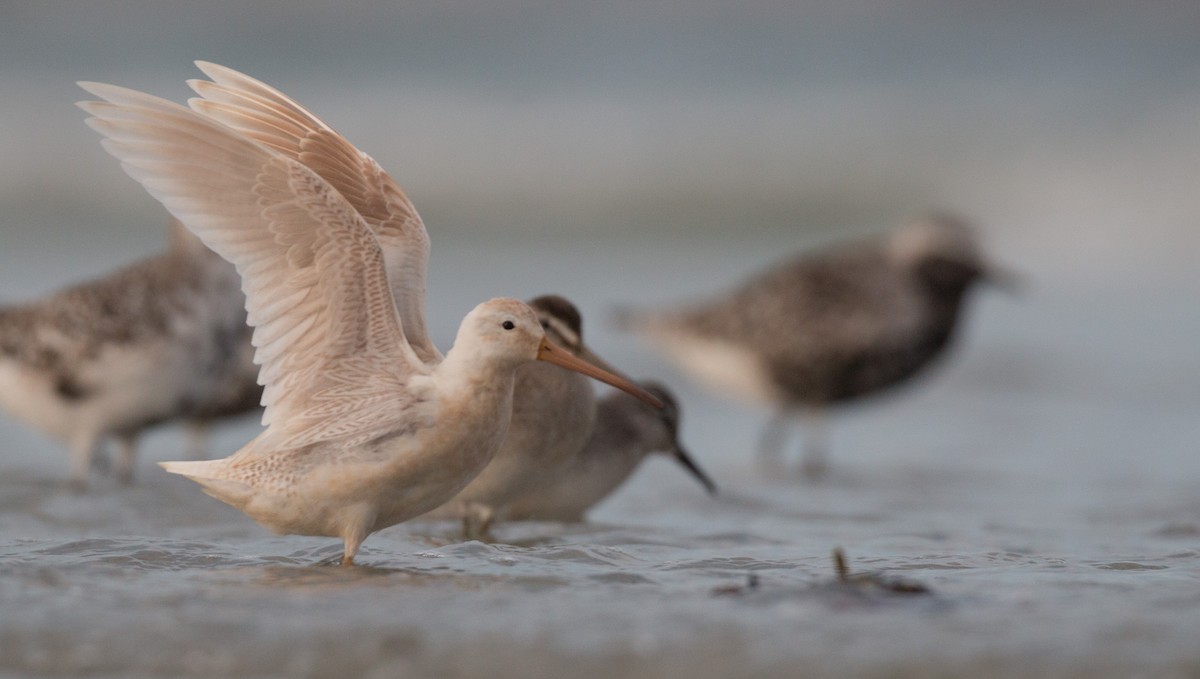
83	450
197	439
101	464
814	464
126	455
770	445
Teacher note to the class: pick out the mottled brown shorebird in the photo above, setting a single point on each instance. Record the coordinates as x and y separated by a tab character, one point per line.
625	433
552	414
828	327
164	339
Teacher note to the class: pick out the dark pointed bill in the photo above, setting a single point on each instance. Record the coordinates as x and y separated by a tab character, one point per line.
552	353
686	460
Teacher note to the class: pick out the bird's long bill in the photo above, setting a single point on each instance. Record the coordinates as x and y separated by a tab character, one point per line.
552	353
689	464
588	356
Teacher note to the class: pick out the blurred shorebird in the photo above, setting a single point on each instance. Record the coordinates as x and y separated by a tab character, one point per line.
552	415
830	327
367	424
164	339
625	433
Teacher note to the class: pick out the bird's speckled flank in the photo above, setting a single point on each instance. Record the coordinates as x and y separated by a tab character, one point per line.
162	339
625	433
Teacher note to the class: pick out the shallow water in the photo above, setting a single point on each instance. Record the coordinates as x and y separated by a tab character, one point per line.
1041	485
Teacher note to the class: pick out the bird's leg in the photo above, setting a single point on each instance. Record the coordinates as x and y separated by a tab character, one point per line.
357	526
815	462
83	450
126	457
770	446
197	436
477	521
486	516
100	462
353	542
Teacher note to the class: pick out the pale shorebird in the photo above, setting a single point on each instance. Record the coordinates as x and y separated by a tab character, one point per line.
625	433
552	414
828	327
163	339
367	424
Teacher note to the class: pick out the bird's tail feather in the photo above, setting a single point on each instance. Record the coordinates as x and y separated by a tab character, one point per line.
207	473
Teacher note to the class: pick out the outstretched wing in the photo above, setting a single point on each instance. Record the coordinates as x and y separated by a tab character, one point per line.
262	113
333	355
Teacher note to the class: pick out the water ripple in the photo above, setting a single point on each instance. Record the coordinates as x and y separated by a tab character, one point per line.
1129	566
726	564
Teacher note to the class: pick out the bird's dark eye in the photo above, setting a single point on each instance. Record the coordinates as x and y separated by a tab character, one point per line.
508	325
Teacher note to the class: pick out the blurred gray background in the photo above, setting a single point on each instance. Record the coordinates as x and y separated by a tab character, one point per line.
628	152
1071	132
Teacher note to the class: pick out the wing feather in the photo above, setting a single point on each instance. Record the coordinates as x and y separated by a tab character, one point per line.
333	354
266	115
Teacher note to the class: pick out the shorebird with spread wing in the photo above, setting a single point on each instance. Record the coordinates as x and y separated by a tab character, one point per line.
367	423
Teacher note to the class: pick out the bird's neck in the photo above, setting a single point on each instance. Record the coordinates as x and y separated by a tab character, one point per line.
478	393
470	374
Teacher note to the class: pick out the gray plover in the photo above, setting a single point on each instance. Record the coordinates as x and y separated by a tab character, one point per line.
625	433
367	424
828	327
552	415
164	339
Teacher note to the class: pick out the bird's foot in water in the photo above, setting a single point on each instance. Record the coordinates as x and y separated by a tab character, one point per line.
477	522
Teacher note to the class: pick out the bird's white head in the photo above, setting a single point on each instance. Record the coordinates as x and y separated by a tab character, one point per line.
501	330
507	332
